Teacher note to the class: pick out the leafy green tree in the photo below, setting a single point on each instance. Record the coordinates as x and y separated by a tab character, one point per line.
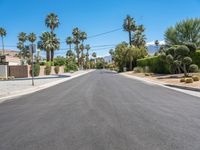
2	34
186	31
70	62
129	26
139	39
59	61
52	22
48	41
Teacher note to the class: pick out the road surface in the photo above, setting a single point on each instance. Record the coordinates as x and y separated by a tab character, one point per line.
101	111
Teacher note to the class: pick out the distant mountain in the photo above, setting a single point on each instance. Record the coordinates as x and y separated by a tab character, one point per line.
152	49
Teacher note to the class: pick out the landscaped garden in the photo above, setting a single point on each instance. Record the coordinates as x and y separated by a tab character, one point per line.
175	62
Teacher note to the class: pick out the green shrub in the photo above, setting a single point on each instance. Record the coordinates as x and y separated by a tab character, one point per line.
189	80
155	63
71	67
196	58
147	74
194	68
57	69
47	69
42	63
182	80
146	69
36	70
138	70
195	78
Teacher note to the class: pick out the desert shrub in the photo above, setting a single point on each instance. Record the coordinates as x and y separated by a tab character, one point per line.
36	70
42	63
71	67
182	80
138	70
147	74
155	63
195	78
57	69
196	58
189	80
47	69
193	68
146	69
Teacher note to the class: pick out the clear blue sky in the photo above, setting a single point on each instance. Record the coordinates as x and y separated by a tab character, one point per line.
94	17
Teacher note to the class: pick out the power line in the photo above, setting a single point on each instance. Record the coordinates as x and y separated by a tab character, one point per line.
100	34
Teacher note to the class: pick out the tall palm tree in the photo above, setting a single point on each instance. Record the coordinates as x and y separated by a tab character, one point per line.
83	36
32	37
24	52
69	42
2	34
76	41
52	22
157	44
129	26
82	47
48	41
87	47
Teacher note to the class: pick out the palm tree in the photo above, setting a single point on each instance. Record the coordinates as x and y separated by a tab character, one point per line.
157	44
69	42
82	47
2	34
139	39
48	41
32	37
83	36
52	22
94	55
22	37
87	47
129	26
76	37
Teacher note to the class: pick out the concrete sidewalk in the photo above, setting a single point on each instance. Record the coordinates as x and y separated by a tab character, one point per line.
18	87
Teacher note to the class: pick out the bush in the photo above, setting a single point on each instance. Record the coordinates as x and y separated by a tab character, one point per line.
42	63
147	69
193	68
182	80
155	63
57	69
189	80
47	69
138	70
196	58
71	67
195	78
36	70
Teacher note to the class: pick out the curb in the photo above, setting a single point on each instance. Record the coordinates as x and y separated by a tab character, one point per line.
194	92
41	87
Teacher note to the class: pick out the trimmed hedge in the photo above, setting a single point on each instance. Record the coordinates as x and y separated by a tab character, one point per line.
156	65
196	58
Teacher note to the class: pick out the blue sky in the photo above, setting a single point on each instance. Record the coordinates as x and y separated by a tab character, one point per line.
94	17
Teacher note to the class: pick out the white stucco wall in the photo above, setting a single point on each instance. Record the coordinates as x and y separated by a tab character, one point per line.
3	71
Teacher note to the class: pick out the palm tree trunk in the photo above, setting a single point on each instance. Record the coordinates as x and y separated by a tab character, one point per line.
129	37
77	51
52	55
2	45
130	65
48	55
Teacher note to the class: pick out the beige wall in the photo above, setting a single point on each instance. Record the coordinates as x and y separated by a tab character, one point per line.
42	70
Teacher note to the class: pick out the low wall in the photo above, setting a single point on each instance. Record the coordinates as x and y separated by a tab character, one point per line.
4	71
42	68
18	71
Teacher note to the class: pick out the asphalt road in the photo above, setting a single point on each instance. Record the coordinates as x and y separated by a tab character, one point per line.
101	111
